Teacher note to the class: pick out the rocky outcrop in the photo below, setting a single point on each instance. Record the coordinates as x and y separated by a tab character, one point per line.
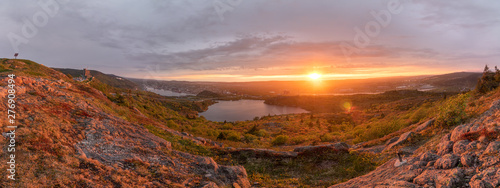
64	124
468	157
424	125
400	140
261	153
339	147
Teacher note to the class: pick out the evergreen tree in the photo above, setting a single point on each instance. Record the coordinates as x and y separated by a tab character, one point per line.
488	81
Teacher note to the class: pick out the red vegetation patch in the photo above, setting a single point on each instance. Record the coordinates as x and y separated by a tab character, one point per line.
81	113
476	134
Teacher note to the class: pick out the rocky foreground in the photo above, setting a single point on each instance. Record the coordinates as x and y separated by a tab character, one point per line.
467	157
66	139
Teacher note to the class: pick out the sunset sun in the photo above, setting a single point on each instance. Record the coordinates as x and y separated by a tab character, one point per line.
314	76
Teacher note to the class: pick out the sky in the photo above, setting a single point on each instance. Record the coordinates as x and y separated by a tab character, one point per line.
254	40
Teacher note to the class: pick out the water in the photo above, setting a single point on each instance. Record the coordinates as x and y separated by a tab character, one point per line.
167	93
242	110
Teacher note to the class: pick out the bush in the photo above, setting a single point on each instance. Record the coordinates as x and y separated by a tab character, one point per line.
453	111
489	81
171	124
298	140
280	140
328	137
233	136
249	138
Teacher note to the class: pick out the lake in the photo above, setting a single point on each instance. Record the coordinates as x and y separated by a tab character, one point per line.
242	110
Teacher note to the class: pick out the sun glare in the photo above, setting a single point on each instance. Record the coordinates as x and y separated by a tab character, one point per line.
314	76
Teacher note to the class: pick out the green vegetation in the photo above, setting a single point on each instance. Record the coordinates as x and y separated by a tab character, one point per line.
453	111
489	81
108	79
306	171
352	119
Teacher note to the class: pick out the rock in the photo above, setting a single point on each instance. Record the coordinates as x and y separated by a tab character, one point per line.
489	177
209	185
482	139
236	185
468	159
445	147
493	147
488	160
424	125
339	146
234	174
257	153
401	139
450	179
396	183
446	137
458	132
447	161
392	140
480	184
472	145
460	147
428	156
427	177
207	164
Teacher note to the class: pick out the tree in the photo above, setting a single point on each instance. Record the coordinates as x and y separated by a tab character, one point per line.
497	75
487	82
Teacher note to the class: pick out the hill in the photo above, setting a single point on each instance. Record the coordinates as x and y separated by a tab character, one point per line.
70	134
91	134
108	79
453	82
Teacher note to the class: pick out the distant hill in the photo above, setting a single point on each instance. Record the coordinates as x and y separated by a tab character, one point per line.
109	79
467	80
207	94
452	82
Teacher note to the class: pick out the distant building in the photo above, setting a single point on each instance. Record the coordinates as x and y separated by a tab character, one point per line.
86	74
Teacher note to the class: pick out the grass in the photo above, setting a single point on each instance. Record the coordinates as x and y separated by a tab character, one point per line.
307	171
351	119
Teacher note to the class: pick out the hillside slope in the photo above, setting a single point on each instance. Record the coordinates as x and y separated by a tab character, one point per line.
468	156
108	79
69	136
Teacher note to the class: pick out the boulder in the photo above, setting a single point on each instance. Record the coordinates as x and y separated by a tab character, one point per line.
235	174
493	147
459	131
445	147
447	161
460	147
480	184
401	140
489	177
424	125
209	185
468	159
450	179
428	177
428	156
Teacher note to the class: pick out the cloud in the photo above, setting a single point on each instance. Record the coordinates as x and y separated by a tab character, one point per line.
274	37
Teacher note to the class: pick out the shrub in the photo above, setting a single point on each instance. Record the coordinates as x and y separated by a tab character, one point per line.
249	138
452	112
298	140
328	137
171	124
254	130
233	136
280	140
489	81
